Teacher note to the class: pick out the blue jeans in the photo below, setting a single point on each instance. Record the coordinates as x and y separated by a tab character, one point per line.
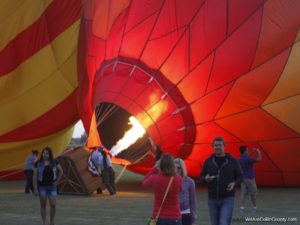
50	191
108	177
220	211
162	221
186	219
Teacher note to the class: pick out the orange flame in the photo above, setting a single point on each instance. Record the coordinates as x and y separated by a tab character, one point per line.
144	121
136	131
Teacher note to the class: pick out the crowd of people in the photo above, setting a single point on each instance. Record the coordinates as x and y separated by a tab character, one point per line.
174	191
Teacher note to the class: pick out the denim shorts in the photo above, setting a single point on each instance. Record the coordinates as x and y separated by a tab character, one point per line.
47	191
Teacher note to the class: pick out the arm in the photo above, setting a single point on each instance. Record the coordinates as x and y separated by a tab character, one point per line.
59	174
238	176
204	175
256	150
149	178
192	201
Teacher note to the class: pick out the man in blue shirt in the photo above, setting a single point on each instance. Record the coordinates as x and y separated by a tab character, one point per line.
248	186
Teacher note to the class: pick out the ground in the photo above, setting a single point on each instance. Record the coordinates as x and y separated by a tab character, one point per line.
132	206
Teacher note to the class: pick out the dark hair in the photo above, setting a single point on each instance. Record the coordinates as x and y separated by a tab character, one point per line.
49	150
219	139
167	165
35	152
243	149
159	153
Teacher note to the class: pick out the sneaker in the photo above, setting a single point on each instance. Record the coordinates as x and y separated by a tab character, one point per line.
242	209
254	209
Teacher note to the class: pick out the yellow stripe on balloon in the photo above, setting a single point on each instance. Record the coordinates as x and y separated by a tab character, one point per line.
38	84
18	15
35	102
65	44
288	84
13	154
61	53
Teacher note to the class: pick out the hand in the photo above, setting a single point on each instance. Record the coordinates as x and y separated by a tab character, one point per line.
255	150
209	178
230	186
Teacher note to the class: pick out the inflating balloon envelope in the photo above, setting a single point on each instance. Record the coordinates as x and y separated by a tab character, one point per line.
187	71
192	70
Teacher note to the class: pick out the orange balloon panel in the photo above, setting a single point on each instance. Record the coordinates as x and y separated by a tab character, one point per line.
190	72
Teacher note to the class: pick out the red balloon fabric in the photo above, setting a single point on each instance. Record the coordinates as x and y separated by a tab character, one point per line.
193	70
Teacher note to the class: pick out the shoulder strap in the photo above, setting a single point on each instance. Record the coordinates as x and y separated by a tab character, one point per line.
166	192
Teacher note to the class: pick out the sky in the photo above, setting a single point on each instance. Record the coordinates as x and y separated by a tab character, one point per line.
79	130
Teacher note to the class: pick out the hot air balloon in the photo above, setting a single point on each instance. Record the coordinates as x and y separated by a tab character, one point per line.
192	70
38	78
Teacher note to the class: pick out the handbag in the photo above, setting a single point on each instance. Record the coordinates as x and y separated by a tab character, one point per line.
151	220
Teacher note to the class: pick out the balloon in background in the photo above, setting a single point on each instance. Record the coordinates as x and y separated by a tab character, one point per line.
38	78
193	70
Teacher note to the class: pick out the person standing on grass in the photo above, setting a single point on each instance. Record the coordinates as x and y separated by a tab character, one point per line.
187	197
28	171
47	173
108	173
222	172
248	186
167	210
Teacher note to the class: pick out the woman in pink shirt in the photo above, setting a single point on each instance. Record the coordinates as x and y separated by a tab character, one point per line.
158	179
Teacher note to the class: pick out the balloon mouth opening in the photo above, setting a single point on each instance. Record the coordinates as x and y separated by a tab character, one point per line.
121	133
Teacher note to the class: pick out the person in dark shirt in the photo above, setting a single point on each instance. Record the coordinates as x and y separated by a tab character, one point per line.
47	172
222	172
248	186
107	171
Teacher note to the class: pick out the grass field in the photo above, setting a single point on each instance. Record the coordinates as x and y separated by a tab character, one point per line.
132	206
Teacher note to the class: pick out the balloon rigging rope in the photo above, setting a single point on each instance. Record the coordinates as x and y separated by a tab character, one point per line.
104	114
134	154
124	167
142	157
120	174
